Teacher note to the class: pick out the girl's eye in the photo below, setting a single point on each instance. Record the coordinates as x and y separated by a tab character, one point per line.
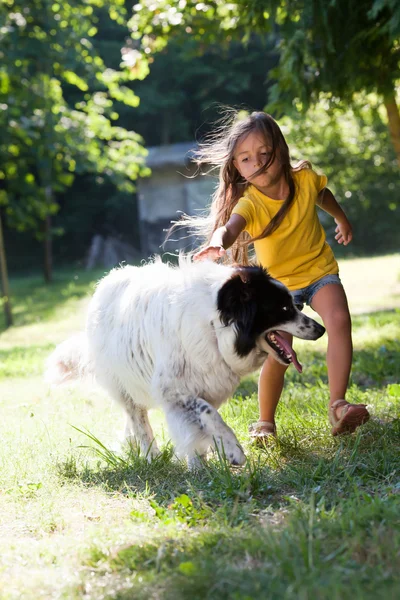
245	159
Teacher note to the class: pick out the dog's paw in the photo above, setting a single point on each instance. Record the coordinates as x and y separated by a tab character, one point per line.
232	450
196	463
152	453
148	451
237	458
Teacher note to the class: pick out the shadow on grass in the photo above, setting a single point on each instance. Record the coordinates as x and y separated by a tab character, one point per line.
311	555
34	301
368	460
289	520
305	457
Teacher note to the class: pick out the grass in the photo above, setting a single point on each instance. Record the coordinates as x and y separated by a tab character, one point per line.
311	517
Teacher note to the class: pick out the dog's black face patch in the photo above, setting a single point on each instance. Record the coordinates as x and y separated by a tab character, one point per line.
254	302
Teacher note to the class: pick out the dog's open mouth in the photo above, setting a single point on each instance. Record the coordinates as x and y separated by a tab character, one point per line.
283	349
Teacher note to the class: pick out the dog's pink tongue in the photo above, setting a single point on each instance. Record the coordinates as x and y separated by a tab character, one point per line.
289	350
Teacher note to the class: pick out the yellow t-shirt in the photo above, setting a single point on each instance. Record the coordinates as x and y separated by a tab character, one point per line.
296	253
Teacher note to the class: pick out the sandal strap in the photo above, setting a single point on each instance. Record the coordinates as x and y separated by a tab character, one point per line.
333	419
338	403
260	425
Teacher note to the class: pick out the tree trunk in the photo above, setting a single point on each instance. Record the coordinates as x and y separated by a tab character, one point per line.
394	121
48	246
4	280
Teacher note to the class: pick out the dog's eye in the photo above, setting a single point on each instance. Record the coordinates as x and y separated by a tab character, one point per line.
285	308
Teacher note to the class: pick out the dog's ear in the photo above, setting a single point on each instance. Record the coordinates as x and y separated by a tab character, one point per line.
236	299
245	284
237	306
243	274
238	303
239	296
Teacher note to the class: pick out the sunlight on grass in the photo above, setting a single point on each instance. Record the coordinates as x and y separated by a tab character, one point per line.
48	313
310	516
371	283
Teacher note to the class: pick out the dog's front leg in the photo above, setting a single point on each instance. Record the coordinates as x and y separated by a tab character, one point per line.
195	425
138	431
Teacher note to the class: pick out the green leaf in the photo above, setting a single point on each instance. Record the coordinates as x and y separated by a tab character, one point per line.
187	568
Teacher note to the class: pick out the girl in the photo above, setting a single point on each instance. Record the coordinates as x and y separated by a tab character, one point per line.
262	199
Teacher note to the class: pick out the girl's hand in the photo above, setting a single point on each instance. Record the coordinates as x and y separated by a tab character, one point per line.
344	231
210	253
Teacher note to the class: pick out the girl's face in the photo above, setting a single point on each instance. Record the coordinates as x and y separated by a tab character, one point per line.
251	153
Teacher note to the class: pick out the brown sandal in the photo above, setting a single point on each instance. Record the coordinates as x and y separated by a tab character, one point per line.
262	432
351	417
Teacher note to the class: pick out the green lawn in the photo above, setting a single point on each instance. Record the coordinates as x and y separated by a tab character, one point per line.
313	517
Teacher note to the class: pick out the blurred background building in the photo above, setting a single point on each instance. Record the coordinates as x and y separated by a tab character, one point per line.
172	189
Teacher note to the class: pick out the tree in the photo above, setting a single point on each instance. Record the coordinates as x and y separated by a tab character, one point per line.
340	47
5	293
46	47
184	89
350	145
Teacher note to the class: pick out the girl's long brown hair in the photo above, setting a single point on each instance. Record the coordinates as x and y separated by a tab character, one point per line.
217	151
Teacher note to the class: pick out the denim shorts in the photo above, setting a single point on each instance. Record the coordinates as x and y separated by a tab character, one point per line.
305	295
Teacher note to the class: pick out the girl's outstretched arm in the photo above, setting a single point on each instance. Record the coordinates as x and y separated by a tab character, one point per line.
344	231
222	238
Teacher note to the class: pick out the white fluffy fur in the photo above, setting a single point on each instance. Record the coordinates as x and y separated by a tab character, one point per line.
154	338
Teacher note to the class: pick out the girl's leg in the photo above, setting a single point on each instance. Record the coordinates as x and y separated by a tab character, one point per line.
270	385
330	303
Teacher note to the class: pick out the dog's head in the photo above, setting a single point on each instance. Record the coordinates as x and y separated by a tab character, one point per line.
257	306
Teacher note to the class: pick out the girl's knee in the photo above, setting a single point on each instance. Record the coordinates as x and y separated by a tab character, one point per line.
338	320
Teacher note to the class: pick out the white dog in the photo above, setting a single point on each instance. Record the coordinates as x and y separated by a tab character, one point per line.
180	339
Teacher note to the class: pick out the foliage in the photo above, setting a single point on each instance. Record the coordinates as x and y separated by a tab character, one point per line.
340	57
217	52
179	99
208	23
188	81
350	145
46	48
339	47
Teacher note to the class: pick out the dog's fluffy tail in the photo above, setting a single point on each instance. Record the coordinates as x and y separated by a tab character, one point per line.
69	361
